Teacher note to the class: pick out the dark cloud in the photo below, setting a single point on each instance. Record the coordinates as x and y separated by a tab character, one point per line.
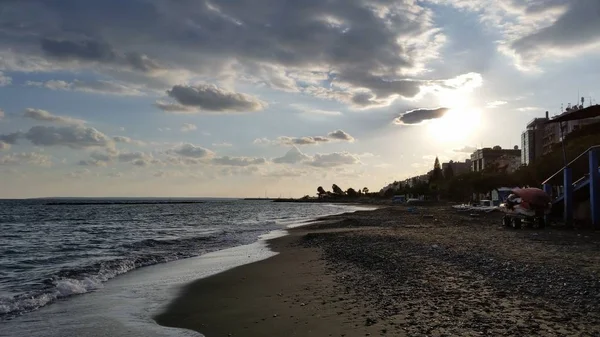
286	45
578	26
11	138
338	135
420	115
207	97
238	161
89	50
73	136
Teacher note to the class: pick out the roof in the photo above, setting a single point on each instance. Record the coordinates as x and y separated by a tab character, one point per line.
589	112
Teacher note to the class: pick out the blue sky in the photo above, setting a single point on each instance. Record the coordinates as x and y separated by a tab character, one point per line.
232	98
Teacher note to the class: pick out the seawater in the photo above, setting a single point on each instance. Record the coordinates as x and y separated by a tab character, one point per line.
54	249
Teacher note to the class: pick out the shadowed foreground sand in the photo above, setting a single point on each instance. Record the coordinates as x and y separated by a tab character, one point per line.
391	272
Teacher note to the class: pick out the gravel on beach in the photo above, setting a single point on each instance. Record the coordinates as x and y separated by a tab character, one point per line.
434	272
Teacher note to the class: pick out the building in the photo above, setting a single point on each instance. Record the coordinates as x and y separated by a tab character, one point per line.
458	167
555	132
532	140
483	158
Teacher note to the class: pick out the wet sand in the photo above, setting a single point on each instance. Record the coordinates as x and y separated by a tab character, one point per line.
392	272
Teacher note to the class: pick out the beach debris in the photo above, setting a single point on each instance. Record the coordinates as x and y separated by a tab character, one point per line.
428	216
370	321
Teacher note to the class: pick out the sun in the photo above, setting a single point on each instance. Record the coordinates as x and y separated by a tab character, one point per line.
460	122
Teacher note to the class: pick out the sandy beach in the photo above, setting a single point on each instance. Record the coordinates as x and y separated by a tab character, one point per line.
391	272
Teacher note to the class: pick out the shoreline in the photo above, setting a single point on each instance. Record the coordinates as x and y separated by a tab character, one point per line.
396	272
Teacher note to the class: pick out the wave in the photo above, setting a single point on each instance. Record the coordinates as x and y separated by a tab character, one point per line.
84	279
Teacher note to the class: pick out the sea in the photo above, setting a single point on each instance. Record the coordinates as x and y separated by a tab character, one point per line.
96	267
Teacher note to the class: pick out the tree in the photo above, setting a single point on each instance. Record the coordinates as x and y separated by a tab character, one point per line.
352	193
321	191
365	190
337	190
437	174
449	172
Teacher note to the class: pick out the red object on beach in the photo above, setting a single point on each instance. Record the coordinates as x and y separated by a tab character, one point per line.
533	196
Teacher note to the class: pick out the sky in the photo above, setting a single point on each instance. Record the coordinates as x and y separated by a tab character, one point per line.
194	98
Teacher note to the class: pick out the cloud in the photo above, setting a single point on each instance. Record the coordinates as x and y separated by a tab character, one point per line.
96	51
224	144
192	151
340	135
495	104
529	108
535	30
238	161
126	157
293	156
1	113
5	80
208	97
26	158
11	138
365	50
94	163
4	146
95	87
187	127
334	159
576	29
418	116
312	111
72	136
466	149
284	140
46	116
127	140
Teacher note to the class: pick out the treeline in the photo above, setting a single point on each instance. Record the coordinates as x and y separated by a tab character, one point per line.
337	192
445	185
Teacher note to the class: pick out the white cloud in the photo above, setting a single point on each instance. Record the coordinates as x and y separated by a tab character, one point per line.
192	151
334	159
46	116
127	140
238	161
529	108
187	127
224	144
495	104
293	156
4	146
1	113
340	135
5	80
314	111
466	149
26	158
337	135
95	87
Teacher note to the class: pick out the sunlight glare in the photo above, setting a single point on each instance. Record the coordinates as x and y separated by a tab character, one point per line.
459	122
